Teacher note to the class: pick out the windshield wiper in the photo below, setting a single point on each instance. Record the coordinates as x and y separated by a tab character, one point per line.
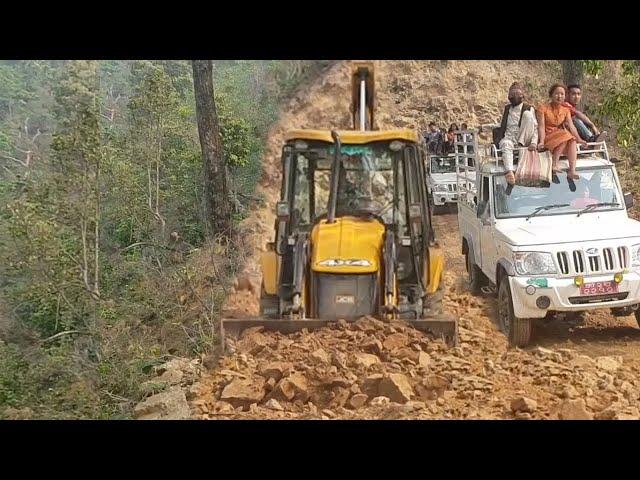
545	208
596	205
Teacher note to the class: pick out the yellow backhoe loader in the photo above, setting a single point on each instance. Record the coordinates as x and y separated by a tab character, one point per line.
353	233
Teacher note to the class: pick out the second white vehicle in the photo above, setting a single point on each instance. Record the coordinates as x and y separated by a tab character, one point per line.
441	180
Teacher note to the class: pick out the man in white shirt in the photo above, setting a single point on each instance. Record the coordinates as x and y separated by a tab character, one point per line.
518	128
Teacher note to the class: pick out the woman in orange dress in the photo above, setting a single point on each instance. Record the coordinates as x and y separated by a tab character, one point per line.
556	130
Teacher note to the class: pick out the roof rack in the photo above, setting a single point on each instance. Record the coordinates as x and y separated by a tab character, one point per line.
466	151
591	150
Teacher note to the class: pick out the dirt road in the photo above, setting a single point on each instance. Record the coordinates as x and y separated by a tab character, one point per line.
375	370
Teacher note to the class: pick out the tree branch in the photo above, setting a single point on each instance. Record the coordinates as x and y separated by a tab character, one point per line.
146	244
8	157
57	335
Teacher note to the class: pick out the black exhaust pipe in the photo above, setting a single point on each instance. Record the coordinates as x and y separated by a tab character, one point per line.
335	178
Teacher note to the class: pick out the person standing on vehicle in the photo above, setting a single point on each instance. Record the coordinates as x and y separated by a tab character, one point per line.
518	128
434	139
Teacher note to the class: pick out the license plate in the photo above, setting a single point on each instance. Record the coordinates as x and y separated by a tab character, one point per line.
598	288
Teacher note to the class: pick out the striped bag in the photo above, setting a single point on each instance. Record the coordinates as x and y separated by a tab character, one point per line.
534	168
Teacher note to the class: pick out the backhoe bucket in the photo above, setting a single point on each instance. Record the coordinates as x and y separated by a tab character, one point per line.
441	326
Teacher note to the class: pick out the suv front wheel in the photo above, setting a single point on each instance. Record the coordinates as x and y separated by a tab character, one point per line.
475	275
517	330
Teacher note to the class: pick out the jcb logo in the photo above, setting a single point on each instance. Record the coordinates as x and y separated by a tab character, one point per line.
345	299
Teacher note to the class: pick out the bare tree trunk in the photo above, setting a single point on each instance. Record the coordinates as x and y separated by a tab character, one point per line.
157	214
572	71
96	239
217	208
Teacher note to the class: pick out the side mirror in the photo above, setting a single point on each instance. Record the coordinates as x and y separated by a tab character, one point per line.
628	200
282	211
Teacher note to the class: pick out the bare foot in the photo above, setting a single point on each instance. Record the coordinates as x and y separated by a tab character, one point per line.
511	178
601	136
573	175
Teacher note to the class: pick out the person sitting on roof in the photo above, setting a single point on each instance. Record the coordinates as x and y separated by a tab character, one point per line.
518	128
557	132
450	139
585	127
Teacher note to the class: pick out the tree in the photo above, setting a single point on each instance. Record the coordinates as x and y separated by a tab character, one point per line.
77	158
217	208
620	106
572	71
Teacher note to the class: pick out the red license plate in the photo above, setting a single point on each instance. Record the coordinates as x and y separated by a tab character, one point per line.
598	288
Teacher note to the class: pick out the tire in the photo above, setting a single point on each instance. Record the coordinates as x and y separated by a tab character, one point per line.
269	305
517	330
475	276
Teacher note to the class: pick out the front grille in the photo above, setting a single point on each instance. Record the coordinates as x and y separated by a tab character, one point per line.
578	262
347	296
609	297
607	256
452	187
623	257
563	262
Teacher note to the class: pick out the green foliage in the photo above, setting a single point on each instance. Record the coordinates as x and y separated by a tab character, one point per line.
620	106
36	251
108	141
592	67
236	134
14	94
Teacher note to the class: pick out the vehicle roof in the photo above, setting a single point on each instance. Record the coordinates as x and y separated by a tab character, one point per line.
355	136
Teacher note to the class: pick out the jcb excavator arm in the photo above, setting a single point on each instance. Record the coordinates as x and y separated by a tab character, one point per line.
362	95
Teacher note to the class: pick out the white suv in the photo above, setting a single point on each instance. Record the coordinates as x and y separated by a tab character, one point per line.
557	248
441	180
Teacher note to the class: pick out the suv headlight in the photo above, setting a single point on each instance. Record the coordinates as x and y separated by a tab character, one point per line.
440	188
635	255
534	263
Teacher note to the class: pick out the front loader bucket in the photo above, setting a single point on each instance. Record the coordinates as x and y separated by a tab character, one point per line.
441	326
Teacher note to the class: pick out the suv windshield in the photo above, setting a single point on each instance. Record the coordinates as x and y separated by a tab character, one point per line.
443	164
596	185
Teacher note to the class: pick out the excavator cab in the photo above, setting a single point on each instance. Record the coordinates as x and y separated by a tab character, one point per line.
353	232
